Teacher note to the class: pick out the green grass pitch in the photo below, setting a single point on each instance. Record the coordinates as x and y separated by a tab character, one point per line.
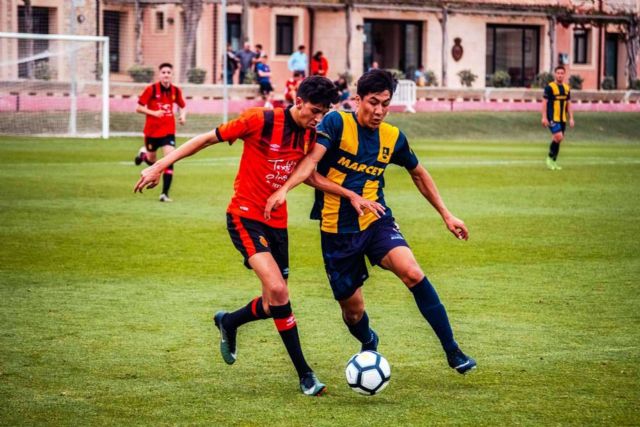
106	297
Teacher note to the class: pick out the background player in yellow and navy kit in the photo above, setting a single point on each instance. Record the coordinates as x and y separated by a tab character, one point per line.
556	108
353	150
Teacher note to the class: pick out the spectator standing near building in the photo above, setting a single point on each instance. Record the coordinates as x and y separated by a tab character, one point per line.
258	53
319	65
343	91
418	76
232	64
298	61
264	80
246	58
291	88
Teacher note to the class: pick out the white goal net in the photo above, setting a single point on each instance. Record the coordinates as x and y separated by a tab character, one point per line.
54	85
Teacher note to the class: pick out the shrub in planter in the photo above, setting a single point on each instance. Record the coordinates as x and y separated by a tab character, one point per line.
467	78
141	74
501	79
543	79
608	83
398	74
42	71
575	81
635	84
430	79
196	75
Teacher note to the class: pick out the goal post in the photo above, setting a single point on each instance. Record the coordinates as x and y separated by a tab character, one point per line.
54	84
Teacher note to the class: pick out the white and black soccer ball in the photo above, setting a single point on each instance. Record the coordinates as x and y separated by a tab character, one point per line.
368	372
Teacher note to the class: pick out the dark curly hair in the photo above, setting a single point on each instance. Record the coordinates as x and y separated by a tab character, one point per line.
318	90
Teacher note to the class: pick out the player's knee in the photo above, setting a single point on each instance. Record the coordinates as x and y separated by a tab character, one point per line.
558	137
412	275
352	315
278	294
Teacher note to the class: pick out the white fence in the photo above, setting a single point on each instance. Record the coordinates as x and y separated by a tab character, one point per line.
405	95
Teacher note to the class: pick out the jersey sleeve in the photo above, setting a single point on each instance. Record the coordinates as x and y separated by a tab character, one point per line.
330	130
249	122
145	96
403	155
547	93
179	98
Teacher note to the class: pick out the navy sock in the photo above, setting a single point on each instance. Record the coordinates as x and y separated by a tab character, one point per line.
361	330
554	150
432	309
252	311
288	329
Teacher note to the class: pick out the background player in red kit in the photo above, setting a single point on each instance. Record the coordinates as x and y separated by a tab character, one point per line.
274	142
156	102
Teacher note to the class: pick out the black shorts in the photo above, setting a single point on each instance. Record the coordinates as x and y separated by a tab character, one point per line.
344	254
153	144
266	88
251	237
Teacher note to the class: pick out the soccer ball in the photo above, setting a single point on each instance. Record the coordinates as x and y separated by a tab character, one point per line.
368	372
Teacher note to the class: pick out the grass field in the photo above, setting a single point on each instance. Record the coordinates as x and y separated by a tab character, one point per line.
106	297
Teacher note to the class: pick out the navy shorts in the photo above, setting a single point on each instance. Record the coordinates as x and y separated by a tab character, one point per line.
344	254
153	144
555	127
251	237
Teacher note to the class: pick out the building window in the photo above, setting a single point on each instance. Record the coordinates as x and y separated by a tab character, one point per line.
515	50
31	48
159	22
284	35
233	31
580	46
393	44
111	29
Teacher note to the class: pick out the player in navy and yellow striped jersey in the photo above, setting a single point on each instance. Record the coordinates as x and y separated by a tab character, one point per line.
354	150
556	109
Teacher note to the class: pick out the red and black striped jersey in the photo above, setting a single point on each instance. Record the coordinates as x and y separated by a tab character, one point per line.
273	146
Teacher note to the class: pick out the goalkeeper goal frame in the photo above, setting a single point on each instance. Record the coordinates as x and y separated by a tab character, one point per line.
73	93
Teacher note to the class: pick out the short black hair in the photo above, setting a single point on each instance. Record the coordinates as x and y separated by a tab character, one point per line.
259	46
318	90
559	67
165	64
298	73
376	81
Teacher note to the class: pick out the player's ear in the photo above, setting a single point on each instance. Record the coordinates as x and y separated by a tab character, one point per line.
299	103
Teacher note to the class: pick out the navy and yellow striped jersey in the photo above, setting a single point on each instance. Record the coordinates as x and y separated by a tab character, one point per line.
356	158
557	97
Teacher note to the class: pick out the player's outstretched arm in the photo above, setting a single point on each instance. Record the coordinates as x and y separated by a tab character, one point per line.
359	203
150	176
427	186
300	174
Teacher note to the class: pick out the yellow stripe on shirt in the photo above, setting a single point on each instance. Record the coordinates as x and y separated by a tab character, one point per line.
369	192
388	138
331	205
349	140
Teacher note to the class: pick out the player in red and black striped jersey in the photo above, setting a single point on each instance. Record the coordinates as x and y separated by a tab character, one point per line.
274	142
156	103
